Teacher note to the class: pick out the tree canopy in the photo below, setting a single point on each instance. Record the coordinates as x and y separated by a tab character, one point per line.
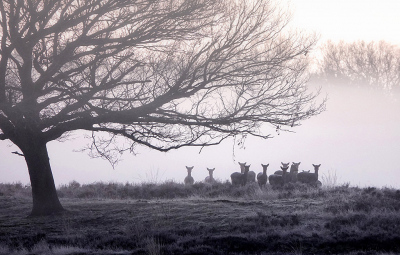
162	74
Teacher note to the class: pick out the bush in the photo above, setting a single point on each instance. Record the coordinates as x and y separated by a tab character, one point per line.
15	189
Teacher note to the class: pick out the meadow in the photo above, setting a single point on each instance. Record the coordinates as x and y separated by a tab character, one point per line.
173	218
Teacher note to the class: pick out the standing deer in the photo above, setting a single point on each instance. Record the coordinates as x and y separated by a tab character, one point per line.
262	177
280	172
242	165
294	170
310	178
277	180
210	178
189	179
251	176
240	178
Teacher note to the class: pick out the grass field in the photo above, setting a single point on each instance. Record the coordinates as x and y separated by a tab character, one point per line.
171	218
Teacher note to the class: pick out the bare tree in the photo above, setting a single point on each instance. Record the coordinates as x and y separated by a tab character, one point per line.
373	64
162	74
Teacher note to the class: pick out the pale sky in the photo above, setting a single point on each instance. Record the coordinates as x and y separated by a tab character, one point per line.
349	20
359	149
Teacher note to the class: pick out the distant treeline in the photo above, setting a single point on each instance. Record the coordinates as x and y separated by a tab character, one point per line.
372	64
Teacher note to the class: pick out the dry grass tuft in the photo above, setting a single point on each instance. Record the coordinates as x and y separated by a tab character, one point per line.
153	246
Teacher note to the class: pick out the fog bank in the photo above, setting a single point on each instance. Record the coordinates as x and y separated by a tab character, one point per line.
356	139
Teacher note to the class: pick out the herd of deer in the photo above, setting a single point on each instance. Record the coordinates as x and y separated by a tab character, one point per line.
279	178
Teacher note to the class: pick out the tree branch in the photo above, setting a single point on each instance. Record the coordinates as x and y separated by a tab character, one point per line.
163	74
17	153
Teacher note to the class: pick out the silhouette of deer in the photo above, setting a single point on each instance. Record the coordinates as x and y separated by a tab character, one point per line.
310	178
240	178
294	170
280	172
210	178
262	178
251	176
277	180
189	179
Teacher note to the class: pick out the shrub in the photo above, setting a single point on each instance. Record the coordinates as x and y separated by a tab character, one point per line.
15	189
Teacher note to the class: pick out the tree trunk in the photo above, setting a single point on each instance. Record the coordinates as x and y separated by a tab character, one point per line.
44	194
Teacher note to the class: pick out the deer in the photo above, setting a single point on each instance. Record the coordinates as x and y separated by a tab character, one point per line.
279	180
310	178
240	178
262	177
251	177
189	179
210	178
280	172
294	170
242	166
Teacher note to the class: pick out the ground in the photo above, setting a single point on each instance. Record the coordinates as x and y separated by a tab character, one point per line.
339	220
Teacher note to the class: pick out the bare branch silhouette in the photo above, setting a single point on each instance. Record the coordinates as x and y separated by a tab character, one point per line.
373	64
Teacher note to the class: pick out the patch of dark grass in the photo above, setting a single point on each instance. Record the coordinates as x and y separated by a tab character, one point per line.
391	193
344	221
384	224
342	198
241	220
27	241
202	249
371	243
367	200
273	220
367	224
165	190
227	244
